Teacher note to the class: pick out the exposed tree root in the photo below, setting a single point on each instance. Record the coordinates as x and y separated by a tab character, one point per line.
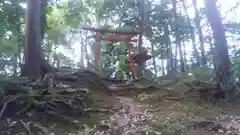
45	101
175	98
199	89
41	102
26	127
99	110
5	105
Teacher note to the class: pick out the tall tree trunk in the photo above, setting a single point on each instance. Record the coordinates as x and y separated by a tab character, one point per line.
162	64
82	51
163	68
176	57
55	55
43	19
153	57
169	48
49	51
182	64
17	54
32	49
194	45
86	50
213	49
200	34
185	56
140	40
15	64
177	35
223	61
174	4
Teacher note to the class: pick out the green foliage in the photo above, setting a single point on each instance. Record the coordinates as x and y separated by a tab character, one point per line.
80	12
123	63
63	60
233	27
66	18
236	64
203	72
56	26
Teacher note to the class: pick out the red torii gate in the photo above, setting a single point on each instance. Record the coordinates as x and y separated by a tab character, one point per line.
114	37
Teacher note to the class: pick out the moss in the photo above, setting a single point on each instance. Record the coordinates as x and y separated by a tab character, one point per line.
159	127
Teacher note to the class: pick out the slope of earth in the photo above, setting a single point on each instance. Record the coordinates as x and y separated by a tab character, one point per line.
161	111
180	111
87	105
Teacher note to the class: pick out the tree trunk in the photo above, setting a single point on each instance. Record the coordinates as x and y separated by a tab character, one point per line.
200	34
176	57
153	57
185	56
213	49
49	51
162	64
32	49
15	64
223	61
174	3
55	55
43	19
17	55
86	50
194	46
163	68
182	64
82	51
177	36
140	40
169	48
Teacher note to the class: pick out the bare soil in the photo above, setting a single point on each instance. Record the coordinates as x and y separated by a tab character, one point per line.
159	112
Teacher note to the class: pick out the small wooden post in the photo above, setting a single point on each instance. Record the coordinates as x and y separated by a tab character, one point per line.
131	59
97	50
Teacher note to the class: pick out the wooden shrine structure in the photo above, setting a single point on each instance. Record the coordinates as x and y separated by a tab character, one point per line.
103	34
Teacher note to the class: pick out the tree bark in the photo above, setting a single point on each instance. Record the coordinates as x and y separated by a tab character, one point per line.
43	19
32	48
82	51
177	36
153	57
140	40
175	62
86	49
17	57
162	64
169	48
163	68
49	51
182	64
200	34
185	56
194	46
223	61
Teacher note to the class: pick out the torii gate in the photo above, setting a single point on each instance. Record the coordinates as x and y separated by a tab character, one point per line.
100	35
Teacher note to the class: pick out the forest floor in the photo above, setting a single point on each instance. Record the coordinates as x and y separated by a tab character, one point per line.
162	111
140	107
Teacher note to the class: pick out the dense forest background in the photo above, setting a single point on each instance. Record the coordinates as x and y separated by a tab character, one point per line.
182	36
190	84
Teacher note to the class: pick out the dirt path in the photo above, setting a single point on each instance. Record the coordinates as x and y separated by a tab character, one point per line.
151	114
165	118
133	118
